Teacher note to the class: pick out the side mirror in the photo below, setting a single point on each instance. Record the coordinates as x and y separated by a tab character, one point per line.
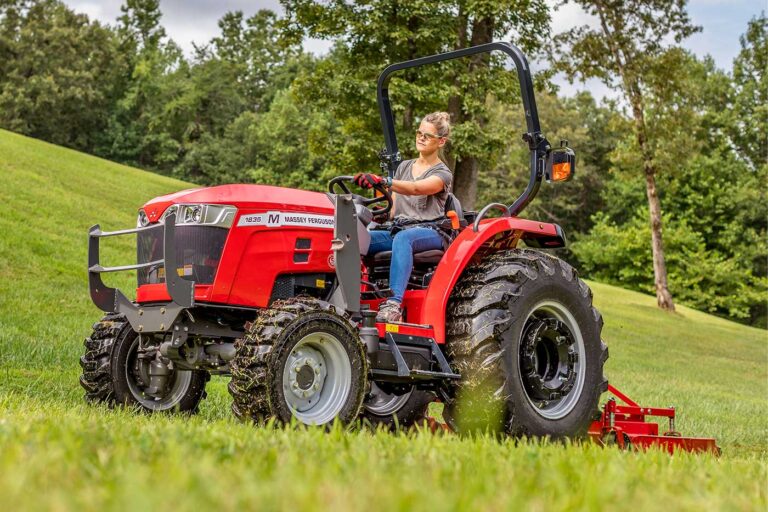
561	163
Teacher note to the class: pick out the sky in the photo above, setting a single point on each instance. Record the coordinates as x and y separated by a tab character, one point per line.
188	21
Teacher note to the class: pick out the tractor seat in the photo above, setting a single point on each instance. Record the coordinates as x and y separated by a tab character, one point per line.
431	257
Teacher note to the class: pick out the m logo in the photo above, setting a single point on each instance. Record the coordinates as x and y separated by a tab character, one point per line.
273	219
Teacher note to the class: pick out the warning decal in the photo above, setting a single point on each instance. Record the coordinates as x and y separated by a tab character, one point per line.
278	219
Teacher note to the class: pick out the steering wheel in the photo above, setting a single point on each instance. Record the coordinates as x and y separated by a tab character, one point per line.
386	197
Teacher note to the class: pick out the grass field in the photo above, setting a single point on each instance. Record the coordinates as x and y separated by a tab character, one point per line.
56	453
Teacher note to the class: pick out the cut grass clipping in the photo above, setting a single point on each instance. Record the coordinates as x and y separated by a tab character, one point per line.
56	453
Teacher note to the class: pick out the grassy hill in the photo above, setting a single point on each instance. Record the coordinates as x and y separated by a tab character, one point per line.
58	453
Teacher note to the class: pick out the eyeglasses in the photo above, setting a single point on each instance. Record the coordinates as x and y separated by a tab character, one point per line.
424	135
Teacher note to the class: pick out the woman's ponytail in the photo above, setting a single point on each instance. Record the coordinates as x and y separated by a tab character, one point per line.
442	122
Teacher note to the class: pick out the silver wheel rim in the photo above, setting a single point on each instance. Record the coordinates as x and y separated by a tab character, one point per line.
177	387
382	403
317	378
558	408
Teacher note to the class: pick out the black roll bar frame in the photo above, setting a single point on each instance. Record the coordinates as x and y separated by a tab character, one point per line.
537	143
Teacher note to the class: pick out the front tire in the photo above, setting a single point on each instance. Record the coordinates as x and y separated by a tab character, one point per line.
526	339
299	360
114	372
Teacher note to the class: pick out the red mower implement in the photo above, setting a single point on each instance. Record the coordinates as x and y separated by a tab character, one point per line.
626	426
273	287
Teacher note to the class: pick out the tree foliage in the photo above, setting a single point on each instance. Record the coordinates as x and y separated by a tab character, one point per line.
55	70
747	117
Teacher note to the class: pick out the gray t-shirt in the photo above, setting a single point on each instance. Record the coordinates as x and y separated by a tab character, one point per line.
422	207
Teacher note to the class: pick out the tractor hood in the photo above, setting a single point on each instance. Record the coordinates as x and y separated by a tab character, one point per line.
243	197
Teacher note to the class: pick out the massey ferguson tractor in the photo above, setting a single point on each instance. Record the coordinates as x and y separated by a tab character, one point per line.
272	286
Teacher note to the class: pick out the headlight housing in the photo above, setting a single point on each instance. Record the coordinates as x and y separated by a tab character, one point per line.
142	220
216	215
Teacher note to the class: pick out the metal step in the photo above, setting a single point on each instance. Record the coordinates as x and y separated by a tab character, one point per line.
393	340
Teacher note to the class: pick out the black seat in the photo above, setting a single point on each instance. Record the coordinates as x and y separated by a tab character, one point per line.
431	257
452	203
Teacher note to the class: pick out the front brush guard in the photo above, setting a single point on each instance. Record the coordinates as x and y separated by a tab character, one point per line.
142	318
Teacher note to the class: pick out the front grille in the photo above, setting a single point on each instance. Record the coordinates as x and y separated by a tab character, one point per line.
198	251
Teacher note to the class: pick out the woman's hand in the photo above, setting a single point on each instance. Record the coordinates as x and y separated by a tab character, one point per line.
367	180
423	187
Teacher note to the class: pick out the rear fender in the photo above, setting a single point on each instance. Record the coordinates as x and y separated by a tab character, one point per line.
493	235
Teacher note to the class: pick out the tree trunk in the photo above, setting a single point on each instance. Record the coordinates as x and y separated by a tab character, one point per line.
465	181
455	102
633	93
467	166
663	297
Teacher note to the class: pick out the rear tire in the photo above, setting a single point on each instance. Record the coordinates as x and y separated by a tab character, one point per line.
523	334
112	373
392	411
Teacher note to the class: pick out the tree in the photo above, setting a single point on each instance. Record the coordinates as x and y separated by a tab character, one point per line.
262	57
374	33
627	52
716	247
55	73
748	115
153	68
140	24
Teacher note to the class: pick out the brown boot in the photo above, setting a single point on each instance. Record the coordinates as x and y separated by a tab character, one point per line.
389	312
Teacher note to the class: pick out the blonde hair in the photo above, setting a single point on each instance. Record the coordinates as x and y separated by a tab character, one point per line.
441	121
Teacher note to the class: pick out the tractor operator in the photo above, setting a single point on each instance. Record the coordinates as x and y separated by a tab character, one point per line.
419	189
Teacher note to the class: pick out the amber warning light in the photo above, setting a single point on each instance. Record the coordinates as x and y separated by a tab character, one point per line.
561	172
561	163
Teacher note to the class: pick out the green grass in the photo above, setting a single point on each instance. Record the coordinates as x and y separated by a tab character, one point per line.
56	453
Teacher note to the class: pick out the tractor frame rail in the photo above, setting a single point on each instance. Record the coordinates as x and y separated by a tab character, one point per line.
626	426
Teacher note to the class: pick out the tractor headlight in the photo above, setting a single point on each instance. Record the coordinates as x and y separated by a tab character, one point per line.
142	220
203	214
190	214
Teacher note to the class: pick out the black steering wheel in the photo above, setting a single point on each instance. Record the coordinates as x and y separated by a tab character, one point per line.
386	197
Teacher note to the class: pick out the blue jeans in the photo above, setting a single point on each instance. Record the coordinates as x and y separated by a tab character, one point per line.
403	245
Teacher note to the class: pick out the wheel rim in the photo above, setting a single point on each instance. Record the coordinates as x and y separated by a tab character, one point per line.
382	403
317	378
137	377
552	357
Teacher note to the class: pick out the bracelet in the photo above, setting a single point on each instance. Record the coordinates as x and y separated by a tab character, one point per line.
388	181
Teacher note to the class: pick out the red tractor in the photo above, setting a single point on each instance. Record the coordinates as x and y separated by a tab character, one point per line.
268	285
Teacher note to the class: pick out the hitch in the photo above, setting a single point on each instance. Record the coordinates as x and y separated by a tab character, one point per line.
626	427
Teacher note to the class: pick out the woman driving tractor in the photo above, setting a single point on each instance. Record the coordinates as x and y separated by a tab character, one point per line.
419	189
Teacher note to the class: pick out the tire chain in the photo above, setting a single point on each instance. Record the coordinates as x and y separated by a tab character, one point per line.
478	315
96	378
250	367
96	363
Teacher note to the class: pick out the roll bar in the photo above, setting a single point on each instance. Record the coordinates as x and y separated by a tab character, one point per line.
537	143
